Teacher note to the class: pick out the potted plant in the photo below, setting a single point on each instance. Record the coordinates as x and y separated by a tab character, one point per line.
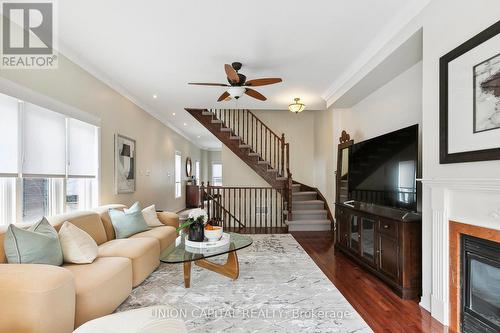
196	224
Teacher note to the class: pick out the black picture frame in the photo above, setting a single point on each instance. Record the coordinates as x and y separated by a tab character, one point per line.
469	156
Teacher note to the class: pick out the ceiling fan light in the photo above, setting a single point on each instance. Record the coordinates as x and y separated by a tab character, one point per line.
297	106
236	92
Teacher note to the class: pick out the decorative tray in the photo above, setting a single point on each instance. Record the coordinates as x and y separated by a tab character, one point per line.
206	244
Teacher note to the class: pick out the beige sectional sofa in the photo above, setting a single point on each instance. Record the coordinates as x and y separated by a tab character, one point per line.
44	298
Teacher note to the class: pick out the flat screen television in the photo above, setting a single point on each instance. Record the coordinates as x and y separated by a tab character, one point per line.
383	170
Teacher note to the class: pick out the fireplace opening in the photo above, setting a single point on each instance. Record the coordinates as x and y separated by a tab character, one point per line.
480	283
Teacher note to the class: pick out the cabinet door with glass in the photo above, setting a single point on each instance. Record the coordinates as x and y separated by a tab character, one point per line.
368	239
354	235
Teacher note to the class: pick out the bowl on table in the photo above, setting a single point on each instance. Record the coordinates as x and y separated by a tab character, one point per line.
213	233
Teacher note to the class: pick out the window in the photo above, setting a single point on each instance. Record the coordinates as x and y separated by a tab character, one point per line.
178	173
54	170
197	172
216	174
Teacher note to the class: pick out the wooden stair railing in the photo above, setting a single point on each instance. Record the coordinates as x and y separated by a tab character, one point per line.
263	141
250	139
259	207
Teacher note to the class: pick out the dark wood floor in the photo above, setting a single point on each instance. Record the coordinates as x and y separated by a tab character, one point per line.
377	304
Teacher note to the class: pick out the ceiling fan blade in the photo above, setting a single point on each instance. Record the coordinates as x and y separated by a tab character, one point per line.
255	94
263	82
210	84
224	97
231	73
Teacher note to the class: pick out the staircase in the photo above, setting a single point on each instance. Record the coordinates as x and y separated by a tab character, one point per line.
310	211
267	153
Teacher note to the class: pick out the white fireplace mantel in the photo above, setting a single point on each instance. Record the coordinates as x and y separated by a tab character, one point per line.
470	201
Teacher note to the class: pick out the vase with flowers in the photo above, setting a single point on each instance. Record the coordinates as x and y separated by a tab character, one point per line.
195	223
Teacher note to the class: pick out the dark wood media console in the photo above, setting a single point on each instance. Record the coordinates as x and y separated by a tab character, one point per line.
385	241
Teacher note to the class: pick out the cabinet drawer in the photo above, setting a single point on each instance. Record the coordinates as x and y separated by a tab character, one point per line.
388	227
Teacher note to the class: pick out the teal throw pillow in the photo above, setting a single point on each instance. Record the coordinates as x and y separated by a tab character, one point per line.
129	222
39	244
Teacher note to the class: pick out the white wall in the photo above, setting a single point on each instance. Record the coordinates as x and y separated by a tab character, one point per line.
156	143
396	105
467	192
299	132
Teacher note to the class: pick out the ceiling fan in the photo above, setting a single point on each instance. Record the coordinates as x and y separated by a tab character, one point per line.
238	84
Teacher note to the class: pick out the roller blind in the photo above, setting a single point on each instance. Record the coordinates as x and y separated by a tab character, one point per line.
82	149
8	135
44	142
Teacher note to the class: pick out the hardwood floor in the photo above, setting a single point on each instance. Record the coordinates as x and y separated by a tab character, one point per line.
383	310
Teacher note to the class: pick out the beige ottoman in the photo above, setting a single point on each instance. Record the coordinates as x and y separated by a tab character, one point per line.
144	320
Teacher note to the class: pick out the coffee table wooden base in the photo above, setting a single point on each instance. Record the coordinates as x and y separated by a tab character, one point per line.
231	268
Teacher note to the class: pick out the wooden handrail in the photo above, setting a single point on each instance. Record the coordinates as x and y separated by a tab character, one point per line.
257	135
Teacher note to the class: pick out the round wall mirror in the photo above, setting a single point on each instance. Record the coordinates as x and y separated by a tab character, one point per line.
189	167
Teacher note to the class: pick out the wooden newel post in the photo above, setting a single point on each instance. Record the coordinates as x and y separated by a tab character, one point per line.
283	154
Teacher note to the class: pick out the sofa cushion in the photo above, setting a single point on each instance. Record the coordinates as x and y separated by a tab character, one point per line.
90	222
128	222
100	287
30	294
39	244
165	235
77	245
143	252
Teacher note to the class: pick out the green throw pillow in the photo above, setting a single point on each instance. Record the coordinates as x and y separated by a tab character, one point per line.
39	244
129	222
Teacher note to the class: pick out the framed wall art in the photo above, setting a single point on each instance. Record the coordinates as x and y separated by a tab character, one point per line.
469	96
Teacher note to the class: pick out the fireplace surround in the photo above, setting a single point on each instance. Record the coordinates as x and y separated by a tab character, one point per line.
473	250
480	285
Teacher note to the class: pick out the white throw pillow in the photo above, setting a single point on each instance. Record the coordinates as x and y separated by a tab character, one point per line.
149	214
77	245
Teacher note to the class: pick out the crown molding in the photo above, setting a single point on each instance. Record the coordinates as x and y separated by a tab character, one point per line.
99	75
399	29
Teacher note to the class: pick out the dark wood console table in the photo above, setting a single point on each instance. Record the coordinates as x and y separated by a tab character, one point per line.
385	241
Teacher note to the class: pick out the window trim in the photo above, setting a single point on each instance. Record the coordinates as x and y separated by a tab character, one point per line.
197	171
212	173
177	173
69	113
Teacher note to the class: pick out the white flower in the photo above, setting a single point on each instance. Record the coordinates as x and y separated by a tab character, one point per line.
197	213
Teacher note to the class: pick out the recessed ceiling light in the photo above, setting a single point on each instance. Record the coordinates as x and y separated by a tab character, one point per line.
155	96
199	136
185	124
173	113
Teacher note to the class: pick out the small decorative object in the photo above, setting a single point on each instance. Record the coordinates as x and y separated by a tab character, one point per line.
189	167
297	106
125	162
208	246
196	223
213	233
344	137
470	100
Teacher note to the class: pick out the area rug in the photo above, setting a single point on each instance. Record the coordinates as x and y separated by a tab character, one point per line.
280	289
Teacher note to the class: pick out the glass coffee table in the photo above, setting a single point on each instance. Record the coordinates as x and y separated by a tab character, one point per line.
177	253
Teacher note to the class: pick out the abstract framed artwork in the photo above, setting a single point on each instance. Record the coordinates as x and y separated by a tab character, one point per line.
125	164
469	97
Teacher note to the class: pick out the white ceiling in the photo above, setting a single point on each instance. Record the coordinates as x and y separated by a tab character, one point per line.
155	47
